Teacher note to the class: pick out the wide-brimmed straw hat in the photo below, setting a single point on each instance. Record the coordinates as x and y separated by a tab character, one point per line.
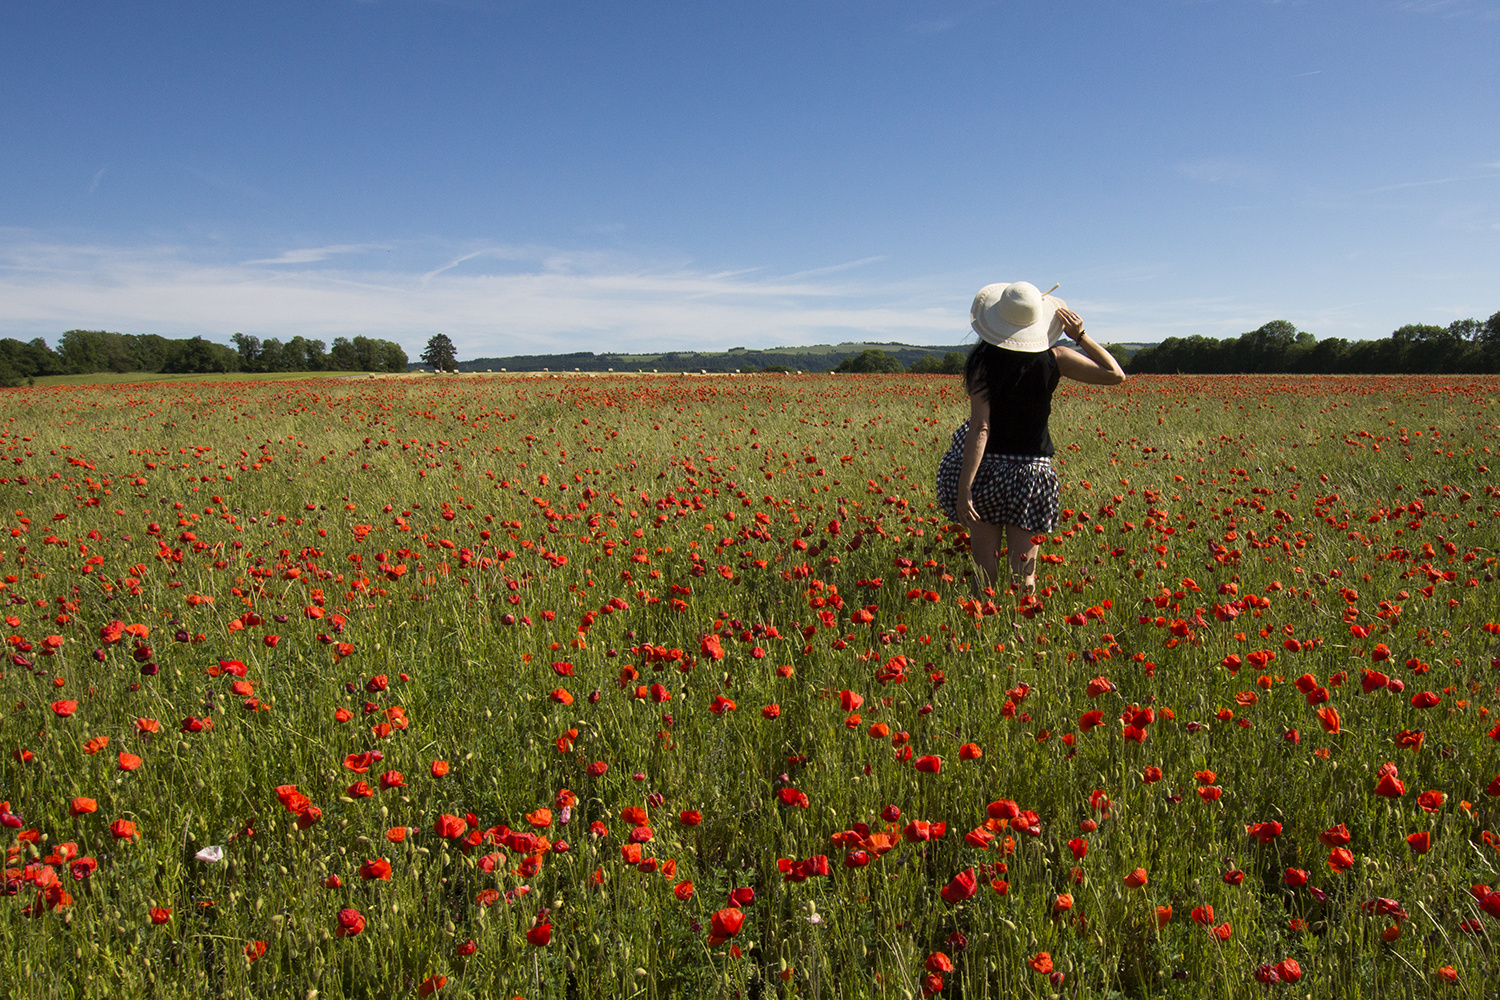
1016	316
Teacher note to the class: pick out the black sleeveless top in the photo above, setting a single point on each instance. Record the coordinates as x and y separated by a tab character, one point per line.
1019	386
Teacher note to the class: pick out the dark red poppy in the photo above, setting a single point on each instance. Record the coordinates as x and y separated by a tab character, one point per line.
351	922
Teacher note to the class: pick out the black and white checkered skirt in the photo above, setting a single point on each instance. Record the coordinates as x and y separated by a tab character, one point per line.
1020	490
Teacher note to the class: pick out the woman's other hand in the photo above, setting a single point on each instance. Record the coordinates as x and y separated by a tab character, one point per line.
966	512
1072	323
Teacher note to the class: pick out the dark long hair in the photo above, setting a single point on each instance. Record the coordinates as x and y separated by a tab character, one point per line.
991	370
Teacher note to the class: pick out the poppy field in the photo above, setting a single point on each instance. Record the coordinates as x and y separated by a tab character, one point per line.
666	686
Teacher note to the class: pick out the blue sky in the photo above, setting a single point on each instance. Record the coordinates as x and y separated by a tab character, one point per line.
562	176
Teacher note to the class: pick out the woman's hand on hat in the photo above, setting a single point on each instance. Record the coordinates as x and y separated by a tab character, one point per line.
1072	323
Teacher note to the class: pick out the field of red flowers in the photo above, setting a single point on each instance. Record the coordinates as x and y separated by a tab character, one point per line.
613	687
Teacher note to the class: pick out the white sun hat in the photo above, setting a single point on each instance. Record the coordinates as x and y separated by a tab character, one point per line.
1016	316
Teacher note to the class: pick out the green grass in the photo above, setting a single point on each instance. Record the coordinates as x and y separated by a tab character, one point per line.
187	507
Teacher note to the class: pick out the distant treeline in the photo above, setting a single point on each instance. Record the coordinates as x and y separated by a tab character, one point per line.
735	359
86	352
1466	346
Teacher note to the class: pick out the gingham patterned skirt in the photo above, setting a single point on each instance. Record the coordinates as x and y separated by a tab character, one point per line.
1019	490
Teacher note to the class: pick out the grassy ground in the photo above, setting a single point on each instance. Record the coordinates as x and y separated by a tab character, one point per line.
604	670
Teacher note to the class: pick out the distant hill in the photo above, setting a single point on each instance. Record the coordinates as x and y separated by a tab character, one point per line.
817	358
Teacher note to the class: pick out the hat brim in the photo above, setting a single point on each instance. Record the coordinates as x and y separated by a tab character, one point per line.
1040	335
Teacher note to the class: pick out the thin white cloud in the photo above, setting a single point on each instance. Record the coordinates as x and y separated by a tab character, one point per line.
1223	170
817	271
1483	9
98	176
311	255
544	301
1411	184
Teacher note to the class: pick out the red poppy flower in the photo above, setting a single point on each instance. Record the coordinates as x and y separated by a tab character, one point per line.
1425	699
122	829
1088	720
1264	832
1098	686
63	709
683	891
1151	775
1340	859
938	962
451	827
792	797
1390	787
690	817
1223	931
1079	846
1335	836
82	806
770	712
1431	800
1421	842
970	751
960	887
1003	809
159	914
378	868
1295	877
351	922
1328	718
1202	914
540	935
726	923
1136	879
431	985
929	764
1040	963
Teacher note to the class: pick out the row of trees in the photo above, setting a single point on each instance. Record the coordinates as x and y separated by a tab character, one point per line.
362	354
1463	346
87	352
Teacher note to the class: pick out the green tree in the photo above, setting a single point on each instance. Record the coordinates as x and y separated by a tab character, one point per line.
869	361
440	354
951	363
391	357
198	356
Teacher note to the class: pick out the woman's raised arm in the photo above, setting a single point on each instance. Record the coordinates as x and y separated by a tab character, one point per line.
1095	365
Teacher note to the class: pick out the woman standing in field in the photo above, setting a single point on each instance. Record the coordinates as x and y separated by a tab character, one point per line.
997	477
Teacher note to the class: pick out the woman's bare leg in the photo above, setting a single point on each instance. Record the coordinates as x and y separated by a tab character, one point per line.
984	546
1022	558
